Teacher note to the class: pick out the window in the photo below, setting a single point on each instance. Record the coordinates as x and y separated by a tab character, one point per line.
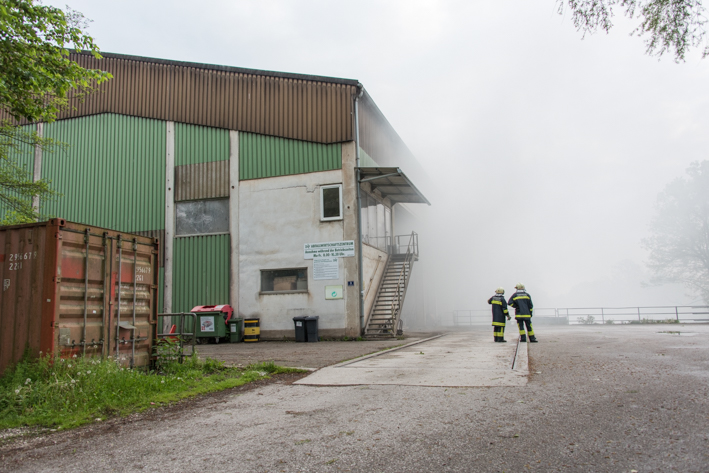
284	280
331	202
199	217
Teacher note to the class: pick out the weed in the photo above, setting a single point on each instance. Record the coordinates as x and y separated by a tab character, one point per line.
653	321
301	442
588	320
65	393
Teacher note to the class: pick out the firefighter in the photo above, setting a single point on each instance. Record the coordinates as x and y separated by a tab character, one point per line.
499	312
522	302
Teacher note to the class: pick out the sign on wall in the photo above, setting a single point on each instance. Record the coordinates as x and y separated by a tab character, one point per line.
331	249
333	292
326	268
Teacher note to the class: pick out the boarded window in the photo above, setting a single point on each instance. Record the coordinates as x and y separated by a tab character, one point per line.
284	280
202	217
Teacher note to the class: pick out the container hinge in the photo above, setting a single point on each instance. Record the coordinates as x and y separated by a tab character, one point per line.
58	236
57	279
153	286
155	252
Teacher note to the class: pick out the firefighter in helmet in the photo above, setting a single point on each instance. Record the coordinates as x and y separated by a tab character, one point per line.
499	312
522	302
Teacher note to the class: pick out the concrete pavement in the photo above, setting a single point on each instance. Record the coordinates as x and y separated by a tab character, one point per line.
603	398
469	359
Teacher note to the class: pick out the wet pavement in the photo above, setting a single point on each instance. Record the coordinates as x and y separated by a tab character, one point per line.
300	355
453	360
597	398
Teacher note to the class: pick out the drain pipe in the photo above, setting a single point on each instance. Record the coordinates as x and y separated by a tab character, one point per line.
360	272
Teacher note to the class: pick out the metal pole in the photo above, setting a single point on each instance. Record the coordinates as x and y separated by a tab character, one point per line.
135	290
603	319
105	348
677	313
639	319
359	211
118	318
86	288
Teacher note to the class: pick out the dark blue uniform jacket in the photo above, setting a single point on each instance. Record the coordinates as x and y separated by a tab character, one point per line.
522	302
499	309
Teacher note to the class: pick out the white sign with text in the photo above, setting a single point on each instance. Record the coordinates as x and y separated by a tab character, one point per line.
331	249
326	268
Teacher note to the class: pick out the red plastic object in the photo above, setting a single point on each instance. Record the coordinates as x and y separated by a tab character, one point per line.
224	308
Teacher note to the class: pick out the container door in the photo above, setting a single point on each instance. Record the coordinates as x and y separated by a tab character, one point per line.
107	296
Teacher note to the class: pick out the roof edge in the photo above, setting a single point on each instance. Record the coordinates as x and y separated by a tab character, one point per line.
215	67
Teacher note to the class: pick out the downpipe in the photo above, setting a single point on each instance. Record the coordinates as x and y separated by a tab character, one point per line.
360	271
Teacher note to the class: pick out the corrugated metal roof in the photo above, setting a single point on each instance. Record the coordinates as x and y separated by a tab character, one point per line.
238	70
301	107
392	183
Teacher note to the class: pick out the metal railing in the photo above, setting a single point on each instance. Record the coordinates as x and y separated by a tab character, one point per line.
183	333
397	245
403	282
597	315
634	315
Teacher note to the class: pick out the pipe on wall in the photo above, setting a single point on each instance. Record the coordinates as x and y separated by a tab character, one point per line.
360	272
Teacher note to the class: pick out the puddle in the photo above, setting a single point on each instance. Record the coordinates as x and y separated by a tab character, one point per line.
681	334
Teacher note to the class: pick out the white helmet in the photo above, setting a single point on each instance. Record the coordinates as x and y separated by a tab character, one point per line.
500	290
519	285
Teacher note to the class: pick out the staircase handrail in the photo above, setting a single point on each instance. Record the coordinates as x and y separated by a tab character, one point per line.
396	302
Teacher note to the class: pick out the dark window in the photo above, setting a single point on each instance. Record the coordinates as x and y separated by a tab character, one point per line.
331	202
200	217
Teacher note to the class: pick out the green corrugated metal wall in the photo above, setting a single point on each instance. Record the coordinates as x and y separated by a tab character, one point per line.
267	156
200	272
113	173
199	144
24	156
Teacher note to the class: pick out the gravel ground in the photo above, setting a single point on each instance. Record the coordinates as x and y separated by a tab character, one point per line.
600	398
299	355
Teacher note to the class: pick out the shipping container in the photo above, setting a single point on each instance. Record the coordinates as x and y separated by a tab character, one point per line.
71	289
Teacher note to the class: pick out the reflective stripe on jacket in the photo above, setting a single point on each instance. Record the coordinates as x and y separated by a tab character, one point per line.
522	302
499	310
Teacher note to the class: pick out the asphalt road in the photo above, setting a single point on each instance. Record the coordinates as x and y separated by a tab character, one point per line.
598	398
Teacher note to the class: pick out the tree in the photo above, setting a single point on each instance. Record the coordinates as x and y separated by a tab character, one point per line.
679	241
37	81
670	26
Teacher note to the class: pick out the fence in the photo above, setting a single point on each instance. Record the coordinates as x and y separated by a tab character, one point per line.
596	315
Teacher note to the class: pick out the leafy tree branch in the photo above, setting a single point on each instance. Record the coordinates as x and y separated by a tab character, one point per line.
668	26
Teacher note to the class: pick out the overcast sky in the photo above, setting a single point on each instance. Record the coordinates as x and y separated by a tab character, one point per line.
546	152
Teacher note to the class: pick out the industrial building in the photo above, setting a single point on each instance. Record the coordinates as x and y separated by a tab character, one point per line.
252	181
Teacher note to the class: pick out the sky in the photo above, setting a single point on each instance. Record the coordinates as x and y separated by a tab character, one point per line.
544	151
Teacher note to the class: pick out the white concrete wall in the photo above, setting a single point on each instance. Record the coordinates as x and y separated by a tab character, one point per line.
372	274
277	216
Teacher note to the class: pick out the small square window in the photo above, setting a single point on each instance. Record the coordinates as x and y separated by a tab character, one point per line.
331	202
284	280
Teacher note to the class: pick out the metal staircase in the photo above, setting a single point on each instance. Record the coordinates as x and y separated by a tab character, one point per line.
384	319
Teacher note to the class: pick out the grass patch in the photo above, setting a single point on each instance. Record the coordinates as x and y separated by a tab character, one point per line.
653	321
66	393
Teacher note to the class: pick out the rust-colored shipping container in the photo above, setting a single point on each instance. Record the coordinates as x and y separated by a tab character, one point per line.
73	289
